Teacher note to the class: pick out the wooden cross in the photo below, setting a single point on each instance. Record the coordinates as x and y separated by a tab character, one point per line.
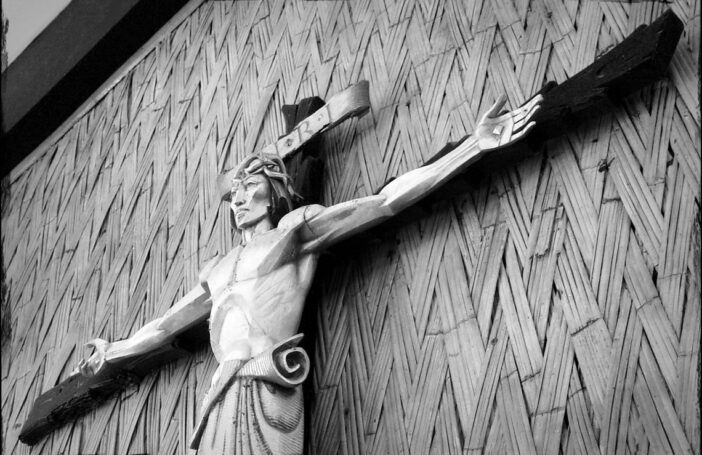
639	60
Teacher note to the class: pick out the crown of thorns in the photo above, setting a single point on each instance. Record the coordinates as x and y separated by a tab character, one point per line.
271	166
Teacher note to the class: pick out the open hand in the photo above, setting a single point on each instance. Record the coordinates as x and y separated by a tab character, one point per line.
495	131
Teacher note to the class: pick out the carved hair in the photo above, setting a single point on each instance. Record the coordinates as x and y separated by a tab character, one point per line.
283	197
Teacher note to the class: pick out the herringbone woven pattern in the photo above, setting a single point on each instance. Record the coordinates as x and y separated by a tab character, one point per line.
554	307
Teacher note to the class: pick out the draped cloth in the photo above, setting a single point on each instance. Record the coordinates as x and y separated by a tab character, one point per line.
255	406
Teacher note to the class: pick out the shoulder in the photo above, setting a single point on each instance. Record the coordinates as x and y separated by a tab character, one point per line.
299	216
208	267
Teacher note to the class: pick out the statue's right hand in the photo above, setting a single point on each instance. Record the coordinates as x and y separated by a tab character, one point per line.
91	366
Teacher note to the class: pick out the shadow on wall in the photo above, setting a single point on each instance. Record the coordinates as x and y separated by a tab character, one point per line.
5	314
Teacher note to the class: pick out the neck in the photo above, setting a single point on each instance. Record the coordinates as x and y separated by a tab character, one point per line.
250	232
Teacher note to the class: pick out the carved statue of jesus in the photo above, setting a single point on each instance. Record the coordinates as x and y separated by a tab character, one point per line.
254	295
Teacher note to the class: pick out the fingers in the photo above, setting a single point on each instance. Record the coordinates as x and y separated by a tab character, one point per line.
85	368
533	102
496	107
526	118
520	134
526	111
529	105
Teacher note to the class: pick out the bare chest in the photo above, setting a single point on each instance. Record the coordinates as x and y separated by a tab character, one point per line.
258	292
270	256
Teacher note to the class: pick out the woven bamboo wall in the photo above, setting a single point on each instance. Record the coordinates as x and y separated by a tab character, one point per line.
553	307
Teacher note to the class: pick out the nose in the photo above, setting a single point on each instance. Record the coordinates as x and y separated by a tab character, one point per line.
238	198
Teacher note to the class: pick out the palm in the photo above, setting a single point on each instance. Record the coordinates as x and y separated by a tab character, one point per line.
495	131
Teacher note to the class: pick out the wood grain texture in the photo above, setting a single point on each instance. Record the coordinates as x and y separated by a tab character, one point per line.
551	306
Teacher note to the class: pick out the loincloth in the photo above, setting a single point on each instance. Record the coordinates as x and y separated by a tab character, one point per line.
260	396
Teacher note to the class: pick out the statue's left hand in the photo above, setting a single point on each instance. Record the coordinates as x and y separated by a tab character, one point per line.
495	131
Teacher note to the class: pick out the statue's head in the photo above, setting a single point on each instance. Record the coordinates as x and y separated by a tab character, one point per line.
261	188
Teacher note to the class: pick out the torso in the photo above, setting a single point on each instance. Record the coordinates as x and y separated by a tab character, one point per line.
258	294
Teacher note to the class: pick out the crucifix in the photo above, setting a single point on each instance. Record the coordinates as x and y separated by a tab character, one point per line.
253	295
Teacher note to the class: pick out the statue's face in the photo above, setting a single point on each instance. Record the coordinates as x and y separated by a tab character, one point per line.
250	200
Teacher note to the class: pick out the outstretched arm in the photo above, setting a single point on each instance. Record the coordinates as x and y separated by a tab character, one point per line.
187	312
493	132
327	226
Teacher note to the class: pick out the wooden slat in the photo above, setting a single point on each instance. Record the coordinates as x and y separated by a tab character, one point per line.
511	399
461	333
591	340
637	198
688	350
582	438
625	356
579	208
650	310
610	257
477	427
547	419
520	326
662	404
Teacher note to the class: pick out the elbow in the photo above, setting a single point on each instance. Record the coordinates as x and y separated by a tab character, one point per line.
399	198
387	209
